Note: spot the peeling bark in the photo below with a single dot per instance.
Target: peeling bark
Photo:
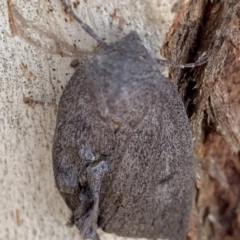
(211, 96)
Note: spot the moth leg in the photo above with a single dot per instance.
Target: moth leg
(87, 223)
(200, 61)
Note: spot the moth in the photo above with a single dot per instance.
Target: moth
(122, 149)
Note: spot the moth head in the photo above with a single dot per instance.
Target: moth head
(123, 78)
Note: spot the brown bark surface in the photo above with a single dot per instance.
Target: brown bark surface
(211, 94)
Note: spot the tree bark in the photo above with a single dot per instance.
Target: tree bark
(211, 96)
(38, 42)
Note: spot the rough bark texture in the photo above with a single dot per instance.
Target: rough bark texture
(211, 96)
(38, 41)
